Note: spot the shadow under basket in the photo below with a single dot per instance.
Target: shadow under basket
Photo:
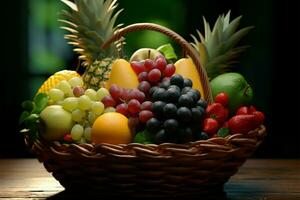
(140, 170)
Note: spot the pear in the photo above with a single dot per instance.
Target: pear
(235, 86)
(144, 53)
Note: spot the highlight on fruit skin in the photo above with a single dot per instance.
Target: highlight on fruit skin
(53, 80)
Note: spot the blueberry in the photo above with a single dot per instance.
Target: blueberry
(196, 126)
(204, 136)
(159, 94)
(153, 125)
(197, 113)
(171, 137)
(171, 125)
(184, 114)
(157, 108)
(185, 90)
(201, 136)
(152, 90)
(185, 101)
(172, 95)
(187, 82)
(170, 110)
(177, 80)
(175, 87)
(160, 137)
(202, 103)
(185, 135)
(165, 84)
(192, 95)
(195, 94)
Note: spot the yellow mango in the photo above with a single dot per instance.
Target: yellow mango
(186, 68)
(123, 75)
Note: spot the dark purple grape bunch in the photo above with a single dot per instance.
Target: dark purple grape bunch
(178, 111)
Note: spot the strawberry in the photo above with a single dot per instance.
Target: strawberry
(242, 124)
(218, 112)
(251, 109)
(259, 117)
(222, 98)
(210, 126)
(244, 110)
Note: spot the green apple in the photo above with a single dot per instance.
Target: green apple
(144, 53)
(55, 122)
(235, 86)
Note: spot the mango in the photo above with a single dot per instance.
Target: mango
(123, 75)
(186, 68)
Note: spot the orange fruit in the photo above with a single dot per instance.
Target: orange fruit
(111, 128)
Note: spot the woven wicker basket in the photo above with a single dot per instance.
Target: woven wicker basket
(138, 170)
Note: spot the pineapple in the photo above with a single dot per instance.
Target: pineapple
(217, 48)
(53, 80)
(91, 23)
(97, 74)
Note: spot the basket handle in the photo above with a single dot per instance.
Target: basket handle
(178, 39)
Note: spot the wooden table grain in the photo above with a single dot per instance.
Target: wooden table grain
(257, 179)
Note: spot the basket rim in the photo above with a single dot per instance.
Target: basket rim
(217, 146)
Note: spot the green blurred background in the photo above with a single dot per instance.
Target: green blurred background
(34, 48)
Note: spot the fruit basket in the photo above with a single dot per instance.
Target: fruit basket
(135, 169)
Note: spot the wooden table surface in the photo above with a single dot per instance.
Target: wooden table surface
(257, 179)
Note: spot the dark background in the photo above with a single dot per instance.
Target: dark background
(271, 65)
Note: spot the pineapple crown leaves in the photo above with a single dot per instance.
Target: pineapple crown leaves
(217, 48)
(90, 23)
